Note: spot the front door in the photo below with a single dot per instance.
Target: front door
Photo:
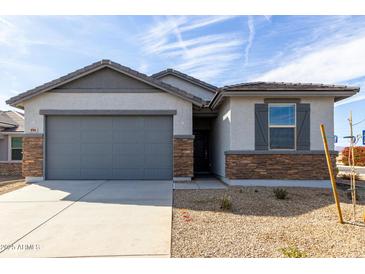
(201, 151)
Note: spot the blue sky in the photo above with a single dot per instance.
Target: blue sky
(217, 49)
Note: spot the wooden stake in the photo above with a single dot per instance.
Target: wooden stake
(352, 165)
(332, 176)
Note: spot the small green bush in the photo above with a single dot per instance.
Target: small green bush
(293, 252)
(226, 203)
(280, 193)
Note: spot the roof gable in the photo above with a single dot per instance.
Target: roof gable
(185, 77)
(106, 79)
(11, 121)
(80, 73)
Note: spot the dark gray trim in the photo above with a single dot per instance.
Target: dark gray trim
(281, 100)
(106, 90)
(265, 152)
(33, 135)
(105, 112)
(184, 136)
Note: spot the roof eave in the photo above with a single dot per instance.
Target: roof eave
(338, 95)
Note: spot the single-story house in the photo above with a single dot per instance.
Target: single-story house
(11, 143)
(107, 121)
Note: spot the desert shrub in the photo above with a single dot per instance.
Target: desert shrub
(359, 155)
(226, 203)
(293, 252)
(349, 194)
(280, 193)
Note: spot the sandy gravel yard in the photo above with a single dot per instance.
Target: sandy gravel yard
(11, 186)
(259, 225)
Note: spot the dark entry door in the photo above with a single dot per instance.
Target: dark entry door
(201, 151)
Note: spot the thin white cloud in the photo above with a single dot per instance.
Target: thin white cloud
(195, 54)
(251, 35)
(205, 22)
(331, 64)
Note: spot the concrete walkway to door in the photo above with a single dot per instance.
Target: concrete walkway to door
(87, 219)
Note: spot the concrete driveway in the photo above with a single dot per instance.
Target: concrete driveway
(87, 218)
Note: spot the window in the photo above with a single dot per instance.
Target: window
(282, 126)
(16, 148)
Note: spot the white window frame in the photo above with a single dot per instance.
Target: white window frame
(282, 126)
(10, 149)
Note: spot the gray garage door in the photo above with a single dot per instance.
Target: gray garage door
(109, 147)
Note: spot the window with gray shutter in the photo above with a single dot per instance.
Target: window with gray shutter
(278, 130)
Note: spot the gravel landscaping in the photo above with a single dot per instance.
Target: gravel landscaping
(6, 186)
(259, 225)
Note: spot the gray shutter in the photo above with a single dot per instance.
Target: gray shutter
(261, 127)
(303, 126)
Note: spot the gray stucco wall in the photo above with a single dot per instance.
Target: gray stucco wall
(221, 135)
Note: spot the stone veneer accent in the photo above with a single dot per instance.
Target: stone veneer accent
(33, 156)
(278, 166)
(10, 169)
(183, 157)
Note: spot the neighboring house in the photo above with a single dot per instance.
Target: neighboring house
(11, 143)
(107, 121)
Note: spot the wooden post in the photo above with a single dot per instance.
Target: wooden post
(332, 176)
(352, 165)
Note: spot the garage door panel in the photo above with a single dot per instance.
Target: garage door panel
(128, 161)
(96, 161)
(163, 161)
(96, 173)
(158, 149)
(157, 123)
(99, 149)
(155, 136)
(64, 149)
(128, 137)
(96, 137)
(109, 147)
(128, 123)
(64, 161)
(65, 173)
(63, 123)
(128, 149)
(63, 137)
(96, 123)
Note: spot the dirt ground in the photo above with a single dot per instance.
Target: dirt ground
(11, 186)
(259, 225)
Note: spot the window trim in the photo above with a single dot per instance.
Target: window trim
(10, 149)
(282, 126)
